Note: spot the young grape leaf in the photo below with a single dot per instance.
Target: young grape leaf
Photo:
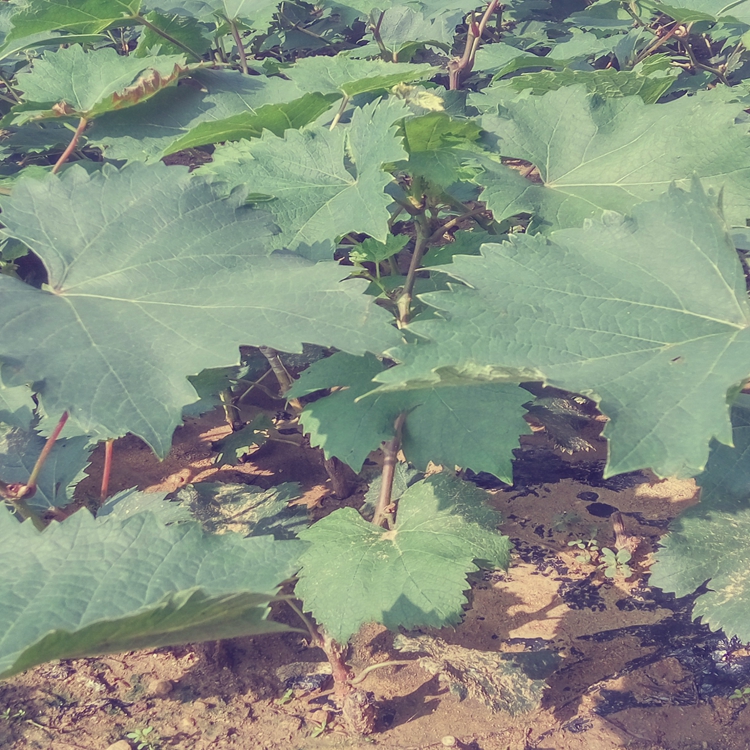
(216, 105)
(648, 316)
(89, 586)
(413, 575)
(403, 30)
(708, 542)
(324, 182)
(16, 406)
(246, 510)
(63, 469)
(153, 277)
(74, 16)
(237, 444)
(346, 75)
(435, 142)
(468, 426)
(74, 83)
(595, 154)
(372, 251)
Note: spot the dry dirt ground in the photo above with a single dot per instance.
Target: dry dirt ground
(624, 665)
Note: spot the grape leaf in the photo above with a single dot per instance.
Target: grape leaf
(690, 11)
(316, 198)
(275, 118)
(216, 105)
(63, 469)
(595, 154)
(465, 242)
(413, 575)
(648, 316)
(87, 84)
(236, 445)
(708, 542)
(404, 30)
(342, 74)
(245, 509)
(16, 406)
(608, 83)
(90, 586)
(153, 277)
(372, 251)
(474, 427)
(75, 16)
(184, 29)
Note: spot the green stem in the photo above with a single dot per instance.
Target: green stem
(375, 28)
(70, 147)
(284, 378)
(698, 65)
(231, 412)
(383, 513)
(172, 40)
(423, 238)
(10, 89)
(340, 113)
(240, 46)
(30, 487)
(315, 636)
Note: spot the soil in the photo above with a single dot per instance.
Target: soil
(626, 665)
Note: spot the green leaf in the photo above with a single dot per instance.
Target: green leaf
(74, 16)
(90, 586)
(16, 406)
(342, 74)
(184, 29)
(404, 30)
(434, 142)
(87, 84)
(216, 105)
(595, 154)
(464, 426)
(690, 11)
(208, 385)
(608, 83)
(316, 198)
(708, 542)
(153, 277)
(246, 510)
(274, 118)
(236, 445)
(465, 242)
(63, 469)
(413, 575)
(648, 316)
(373, 251)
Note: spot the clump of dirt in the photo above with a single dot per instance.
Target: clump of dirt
(617, 664)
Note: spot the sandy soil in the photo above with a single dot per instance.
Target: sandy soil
(625, 665)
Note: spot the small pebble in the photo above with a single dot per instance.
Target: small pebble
(120, 745)
(160, 688)
(449, 741)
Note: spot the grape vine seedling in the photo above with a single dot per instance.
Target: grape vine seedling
(425, 221)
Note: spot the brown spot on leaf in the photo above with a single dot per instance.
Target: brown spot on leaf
(145, 87)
